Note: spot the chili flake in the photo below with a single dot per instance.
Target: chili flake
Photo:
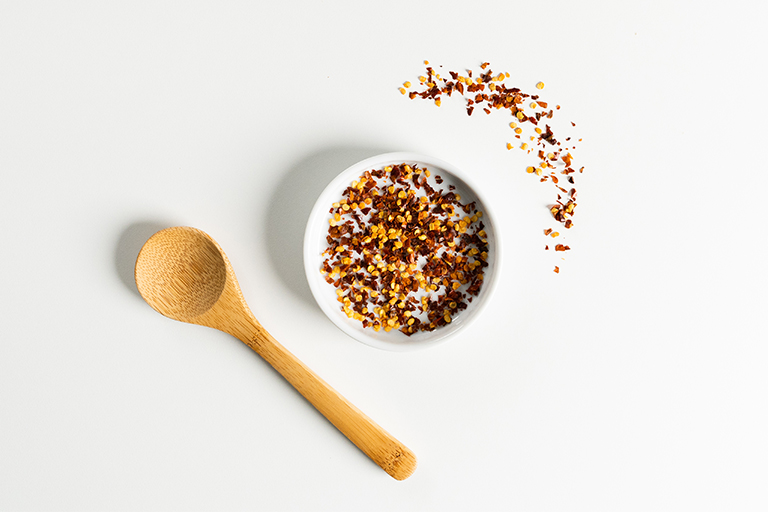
(403, 254)
(489, 92)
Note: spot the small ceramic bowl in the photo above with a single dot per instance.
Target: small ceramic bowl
(315, 243)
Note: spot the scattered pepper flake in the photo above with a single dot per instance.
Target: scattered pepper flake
(499, 96)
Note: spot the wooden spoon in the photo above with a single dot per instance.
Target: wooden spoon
(183, 274)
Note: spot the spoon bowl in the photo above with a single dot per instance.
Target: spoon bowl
(197, 268)
(184, 274)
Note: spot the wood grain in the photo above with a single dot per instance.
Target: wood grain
(184, 274)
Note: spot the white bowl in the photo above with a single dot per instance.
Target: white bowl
(315, 243)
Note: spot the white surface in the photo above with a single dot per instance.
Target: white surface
(315, 244)
(633, 380)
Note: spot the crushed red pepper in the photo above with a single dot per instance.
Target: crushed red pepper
(402, 254)
(489, 92)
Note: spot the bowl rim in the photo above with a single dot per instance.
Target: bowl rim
(310, 259)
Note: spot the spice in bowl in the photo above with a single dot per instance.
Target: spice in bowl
(403, 253)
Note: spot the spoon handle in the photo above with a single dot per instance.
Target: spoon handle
(386, 451)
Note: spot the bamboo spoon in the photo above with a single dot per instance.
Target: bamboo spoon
(183, 274)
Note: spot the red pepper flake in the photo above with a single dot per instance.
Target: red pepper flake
(557, 269)
(401, 254)
(500, 96)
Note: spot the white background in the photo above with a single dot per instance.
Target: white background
(633, 380)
